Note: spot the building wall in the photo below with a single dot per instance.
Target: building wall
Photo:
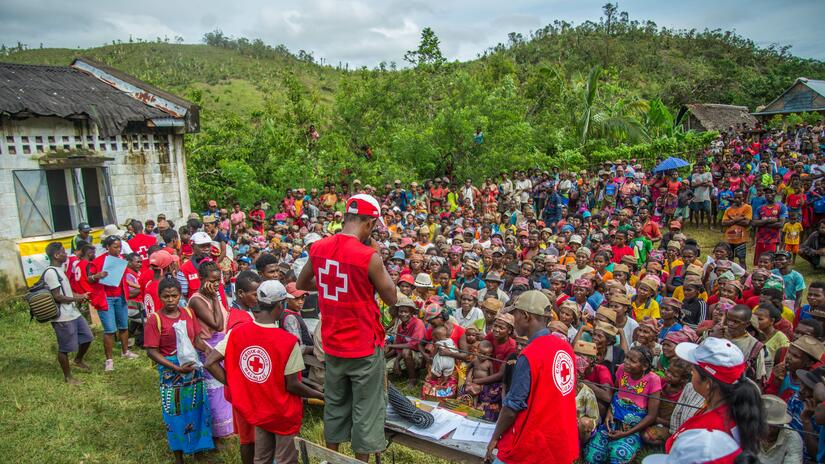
(147, 175)
(798, 99)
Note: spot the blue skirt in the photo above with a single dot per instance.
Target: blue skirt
(185, 409)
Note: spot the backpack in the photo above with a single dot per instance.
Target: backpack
(42, 305)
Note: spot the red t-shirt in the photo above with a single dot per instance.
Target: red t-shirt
(132, 277)
(411, 333)
(621, 252)
(458, 331)
(600, 375)
(96, 266)
(165, 340)
(501, 351)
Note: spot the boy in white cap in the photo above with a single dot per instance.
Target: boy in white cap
(262, 365)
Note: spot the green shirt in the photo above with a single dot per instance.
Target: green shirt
(642, 246)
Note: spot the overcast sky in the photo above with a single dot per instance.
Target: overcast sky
(366, 32)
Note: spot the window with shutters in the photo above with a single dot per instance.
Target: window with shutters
(57, 200)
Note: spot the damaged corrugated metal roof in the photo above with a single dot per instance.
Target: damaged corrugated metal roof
(68, 92)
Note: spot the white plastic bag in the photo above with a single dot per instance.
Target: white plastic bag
(186, 352)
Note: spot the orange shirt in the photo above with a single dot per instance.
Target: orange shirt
(736, 234)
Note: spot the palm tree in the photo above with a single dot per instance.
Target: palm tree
(618, 122)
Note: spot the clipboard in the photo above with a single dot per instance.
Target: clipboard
(115, 267)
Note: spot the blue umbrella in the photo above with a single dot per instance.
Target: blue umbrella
(670, 164)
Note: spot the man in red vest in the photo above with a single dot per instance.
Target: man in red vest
(262, 365)
(188, 273)
(346, 271)
(538, 421)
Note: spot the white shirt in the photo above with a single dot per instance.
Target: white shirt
(474, 315)
(524, 187)
(55, 277)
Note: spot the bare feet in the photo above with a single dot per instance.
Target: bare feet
(73, 381)
(411, 383)
(82, 366)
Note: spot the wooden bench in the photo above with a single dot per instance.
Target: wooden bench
(308, 450)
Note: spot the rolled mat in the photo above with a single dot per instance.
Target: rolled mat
(407, 410)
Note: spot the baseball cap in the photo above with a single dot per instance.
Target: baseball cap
(271, 292)
(407, 278)
(311, 237)
(161, 259)
(720, 358)
(84, 227)
(200, 238)
(699, 446)
(676, 225)
(365, 205)
(292, 289)
(213, 203)
(533, 302)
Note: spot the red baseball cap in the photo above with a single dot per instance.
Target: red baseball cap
(718, 357)
(292, 289)
(675, 225)
(408, 278)
(365, 205)
(161, 259)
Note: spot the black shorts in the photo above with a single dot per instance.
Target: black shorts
(72, 334)
(739, 251)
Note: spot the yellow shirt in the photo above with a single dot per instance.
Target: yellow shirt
(787, 314)
(651, 310)
(793, 232)
(679, 294)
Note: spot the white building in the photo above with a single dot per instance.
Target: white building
(84, 143)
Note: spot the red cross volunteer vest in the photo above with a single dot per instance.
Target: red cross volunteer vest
(255, 360)
(151, 299)
(547, 431)
(190, 272)
(346, 297)
(140, 244)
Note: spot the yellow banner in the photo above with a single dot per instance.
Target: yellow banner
(33, 257)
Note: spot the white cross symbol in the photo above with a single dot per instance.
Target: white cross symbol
(337, 278)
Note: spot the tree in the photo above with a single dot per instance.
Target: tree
(610, 11)
(428, 52)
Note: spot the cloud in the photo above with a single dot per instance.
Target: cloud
(366, 32)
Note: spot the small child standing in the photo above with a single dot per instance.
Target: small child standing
(482, 367)
(791, 235)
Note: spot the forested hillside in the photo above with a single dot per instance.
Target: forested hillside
(562, 96)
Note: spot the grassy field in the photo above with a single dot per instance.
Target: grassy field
(112, 417)
(108, 418)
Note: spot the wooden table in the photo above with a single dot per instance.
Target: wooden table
(395, 429)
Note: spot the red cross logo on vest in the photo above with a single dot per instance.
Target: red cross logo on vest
(255, 364)
(331, 281)
(563, 372)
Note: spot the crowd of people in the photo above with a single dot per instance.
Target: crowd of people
(460, 289)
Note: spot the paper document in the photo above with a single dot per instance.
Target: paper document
(445, 422)
(470, 430)
(115, 267)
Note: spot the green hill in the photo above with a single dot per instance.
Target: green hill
(565, 96)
